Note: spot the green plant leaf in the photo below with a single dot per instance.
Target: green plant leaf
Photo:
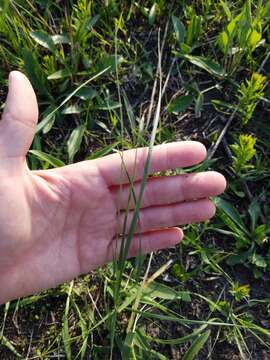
(49, 117)
(224, 41)
(53, 161)
(180, 340)
(108, 104)
(4, 5)
(158, 290)
(60, 39)
(60, 74)
(258, 260)
(193, 30)
(47, 122)
(180, 104)
(240, 258)
(87, 93)
(72, 109)
(253, 39)
(226, 9)
(254, 211)
(5, 342)
(109, 62)
(233, 214)
(43, 39)
(152, 14)
(266, 10)
(65, 325)
(206, 64)
(74, 142)
(196, 346)
(34, 71)
(126, 348)
(102, 152)
(179, 29)
(86, 26)
(199, 104)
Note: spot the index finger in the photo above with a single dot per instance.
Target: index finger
(116, 169)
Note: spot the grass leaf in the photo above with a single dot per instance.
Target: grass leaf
(197, 346)
(65, 326)
(230, 210)
(43, 39)
(5, 342)
(53, 161)
(74, 142)
(34, 71)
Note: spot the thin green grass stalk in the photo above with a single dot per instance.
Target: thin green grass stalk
(65, 329)
(143, 183)
(239, 325)
(240, 342)
(5, 342)
(180, 340)
(213, 343)
(116, 287)
(176, 318)
(126, 240)
(5, 317)
(32, 15)
(197, 345)
(139, 257)
(156, 79)
(254, 329)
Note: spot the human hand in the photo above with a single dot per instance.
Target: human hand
(60, 223)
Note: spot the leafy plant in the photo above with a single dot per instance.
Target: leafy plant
(243, 153)
(187, 37)
(240, 292)
(249, 94)
(242, 34)
(250, 241)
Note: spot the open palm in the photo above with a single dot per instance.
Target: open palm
(60, 223)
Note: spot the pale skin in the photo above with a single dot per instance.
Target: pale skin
(58, 224)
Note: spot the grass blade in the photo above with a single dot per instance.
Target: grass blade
(52, 160)
(197, 346)
(65, 329)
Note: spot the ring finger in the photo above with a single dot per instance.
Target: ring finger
(158, 217)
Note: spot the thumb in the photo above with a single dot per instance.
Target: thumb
(17, 127)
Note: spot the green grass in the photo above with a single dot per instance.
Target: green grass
(101, 80)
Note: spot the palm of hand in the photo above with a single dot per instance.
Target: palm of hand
(57, 218)
(60, 223)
